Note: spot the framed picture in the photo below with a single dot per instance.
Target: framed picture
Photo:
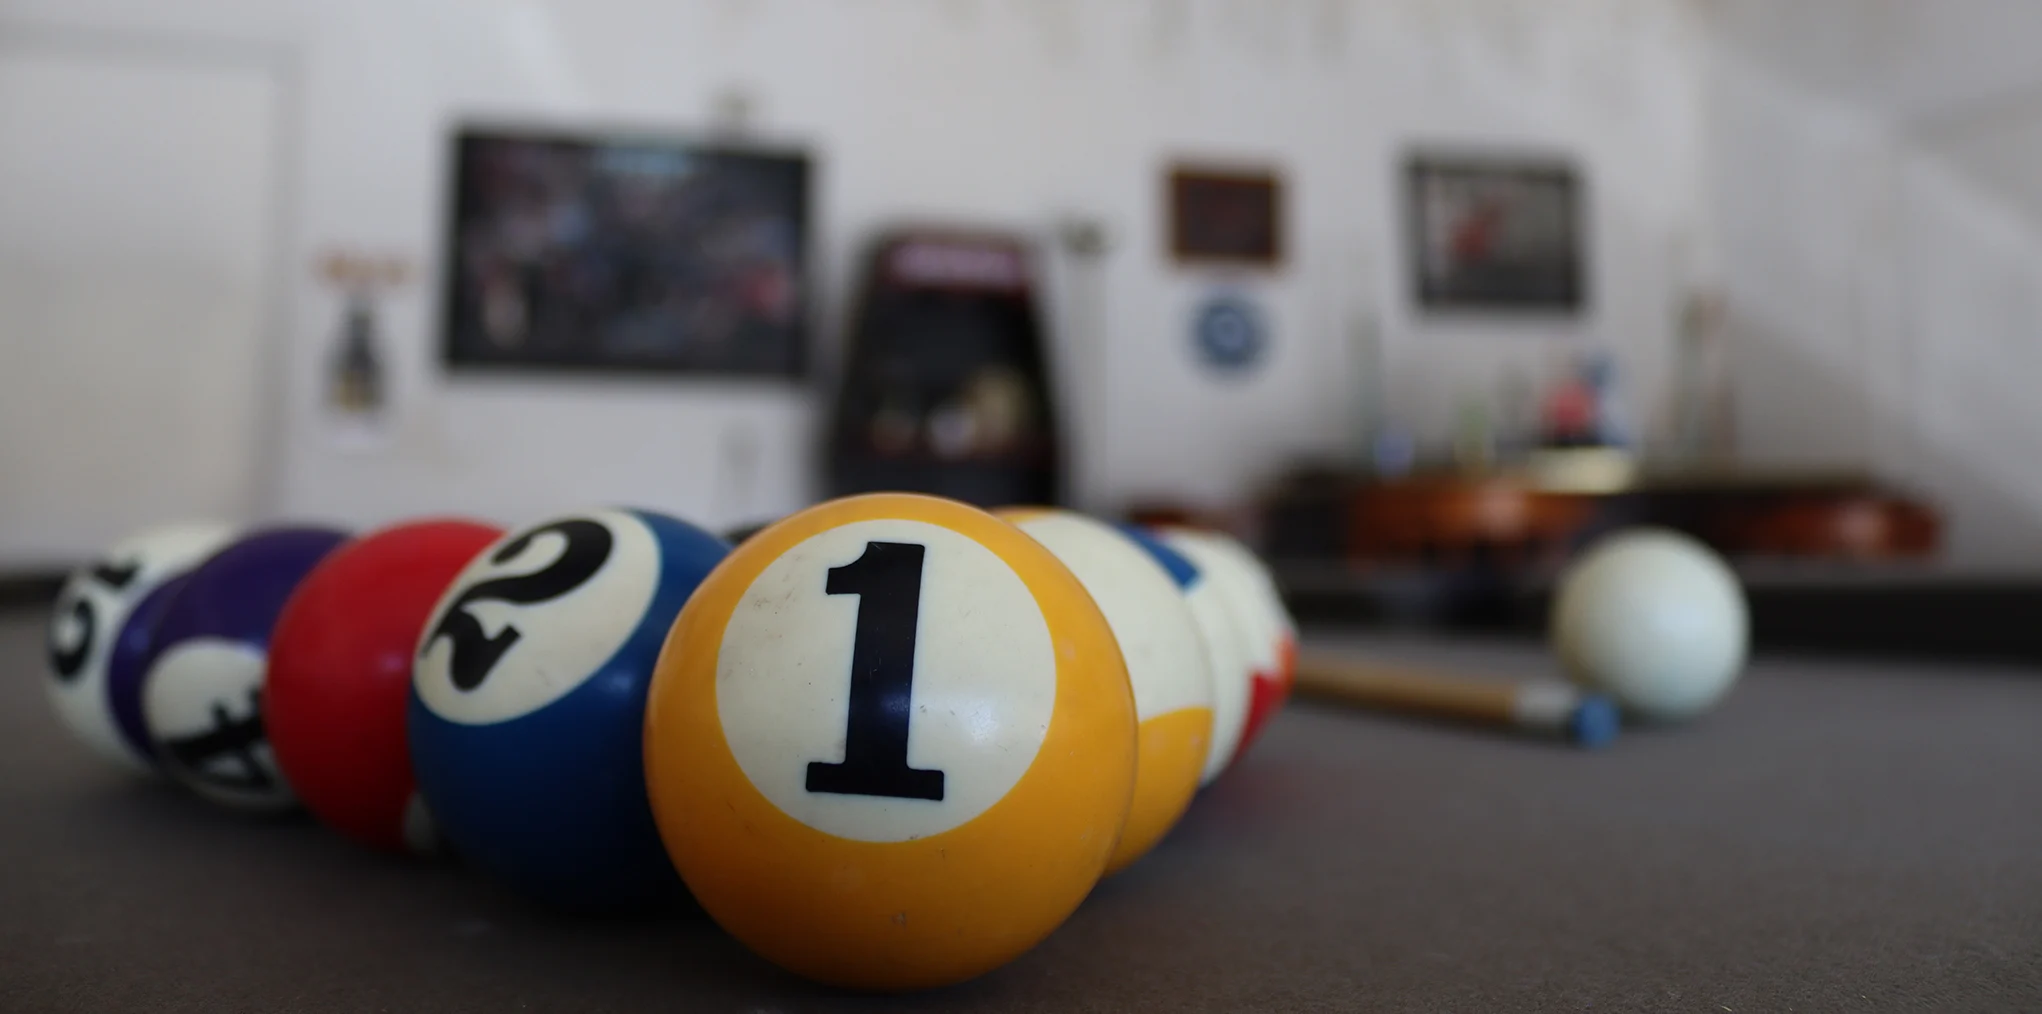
(1226, 217)
(626, 254)
(1500, 234)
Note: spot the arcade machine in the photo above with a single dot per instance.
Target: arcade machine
(945, 382)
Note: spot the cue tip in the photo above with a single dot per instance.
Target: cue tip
(1595, 721)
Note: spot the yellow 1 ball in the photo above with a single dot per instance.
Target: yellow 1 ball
(890, 742)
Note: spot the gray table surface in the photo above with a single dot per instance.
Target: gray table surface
(1837, 837)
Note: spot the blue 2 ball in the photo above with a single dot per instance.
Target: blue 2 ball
(528, 704)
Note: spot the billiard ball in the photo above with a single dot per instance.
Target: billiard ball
(1219, 633)
(202, 692)
(1261, 585)
(340, 675)
(1268, 632)
(1166, 665)
(1653, 618)
(891, 742)
(100, 632)
(527, 704)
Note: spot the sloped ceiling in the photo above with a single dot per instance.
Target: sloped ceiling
(1960, 77)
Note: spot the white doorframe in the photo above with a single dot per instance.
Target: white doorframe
(279, 61)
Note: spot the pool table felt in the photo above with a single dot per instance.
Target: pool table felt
(1836, 837)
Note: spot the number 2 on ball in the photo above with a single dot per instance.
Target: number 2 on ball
(475, 651)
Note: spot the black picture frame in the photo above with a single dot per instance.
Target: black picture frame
(1496, 233)
(625, 252)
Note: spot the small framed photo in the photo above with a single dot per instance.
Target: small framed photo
(1226, 216)
(1496, 234)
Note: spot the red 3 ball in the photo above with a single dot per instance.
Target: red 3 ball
(340, 675)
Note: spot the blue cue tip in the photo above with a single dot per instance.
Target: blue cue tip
(1594, 722)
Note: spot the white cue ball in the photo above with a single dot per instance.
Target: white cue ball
(1655, 619)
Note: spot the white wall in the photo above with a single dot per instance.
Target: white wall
(1007, 112)
(1873, 171)
(137, 210)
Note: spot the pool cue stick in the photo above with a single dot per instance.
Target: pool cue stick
(1550, 708)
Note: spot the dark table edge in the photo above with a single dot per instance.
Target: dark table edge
(30, 589)
(1996, 620)
(1944, 619)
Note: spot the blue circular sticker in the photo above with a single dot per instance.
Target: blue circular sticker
(1229, 333)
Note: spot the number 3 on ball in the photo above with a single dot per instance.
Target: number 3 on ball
(890, 742)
